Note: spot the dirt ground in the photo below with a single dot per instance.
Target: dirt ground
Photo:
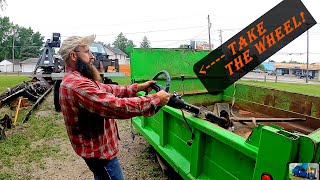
(137, 157)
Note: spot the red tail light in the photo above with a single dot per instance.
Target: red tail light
(266, 176)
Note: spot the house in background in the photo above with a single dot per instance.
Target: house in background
(7, 66)
(297, 69)
(29, 64)
(115, 53)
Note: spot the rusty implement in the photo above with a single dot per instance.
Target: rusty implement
(30, 90)
(267, 119)
(5, 122)
(40, 99)
(17, 112)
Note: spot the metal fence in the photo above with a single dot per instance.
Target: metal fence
(15, 73)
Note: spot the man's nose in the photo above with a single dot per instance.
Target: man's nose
(92, 56)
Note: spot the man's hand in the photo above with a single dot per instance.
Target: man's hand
(164, 97)
(146, 86)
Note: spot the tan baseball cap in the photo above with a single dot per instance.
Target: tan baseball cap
(73, 42)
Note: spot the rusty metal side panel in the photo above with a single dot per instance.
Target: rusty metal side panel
(277, 103)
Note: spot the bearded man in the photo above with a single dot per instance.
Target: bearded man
(90, 108)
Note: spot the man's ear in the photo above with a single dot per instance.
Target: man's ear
(73, 56)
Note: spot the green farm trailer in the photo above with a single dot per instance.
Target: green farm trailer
(251, 149)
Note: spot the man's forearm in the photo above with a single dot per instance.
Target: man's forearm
(140, 88)
(109, 106)
(122, 91)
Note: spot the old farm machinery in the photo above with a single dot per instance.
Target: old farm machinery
(48, 73)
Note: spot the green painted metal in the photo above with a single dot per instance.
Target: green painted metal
(215, 153)
(315, 136)
(145, 63)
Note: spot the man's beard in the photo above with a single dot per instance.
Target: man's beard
(87, 70)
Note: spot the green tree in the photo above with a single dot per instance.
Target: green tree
(295, 62)
(261, 67)
(6, 36)
(184, 46)
(122, 43)
(145, 43)
(129, 48)
(27, 43)
(131, 44)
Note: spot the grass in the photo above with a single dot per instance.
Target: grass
(28, 144)
(122, 81)
(10, 81)
(310, 89)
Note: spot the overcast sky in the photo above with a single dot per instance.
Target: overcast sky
(166, 23)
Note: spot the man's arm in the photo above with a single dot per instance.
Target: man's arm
(108, 105)
(121, 91)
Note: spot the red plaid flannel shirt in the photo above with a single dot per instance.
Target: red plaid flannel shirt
(89, 109)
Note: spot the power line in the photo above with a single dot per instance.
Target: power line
(293, 53)
(165, 30)
(151, 31)
(18, 46)
(174, 42)
(162, 41)
(140, 22)
(184, 39)
(200, 33)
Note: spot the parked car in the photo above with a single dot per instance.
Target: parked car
(304, 76)
(272, 73)
(257, 71)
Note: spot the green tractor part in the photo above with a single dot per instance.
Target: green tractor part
(199, 149)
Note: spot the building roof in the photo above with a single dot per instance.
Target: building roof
(116, 50)
(5, 62)
(16, 61)
(30, 61)
(315, 66)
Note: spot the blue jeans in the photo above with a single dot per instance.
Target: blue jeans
(105, 169)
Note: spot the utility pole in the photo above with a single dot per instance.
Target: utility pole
(209, 26)
(220, 36)
(307, 76)
(13, 38)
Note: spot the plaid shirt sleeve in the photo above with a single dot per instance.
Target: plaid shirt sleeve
(104, 102)
(121, 91)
